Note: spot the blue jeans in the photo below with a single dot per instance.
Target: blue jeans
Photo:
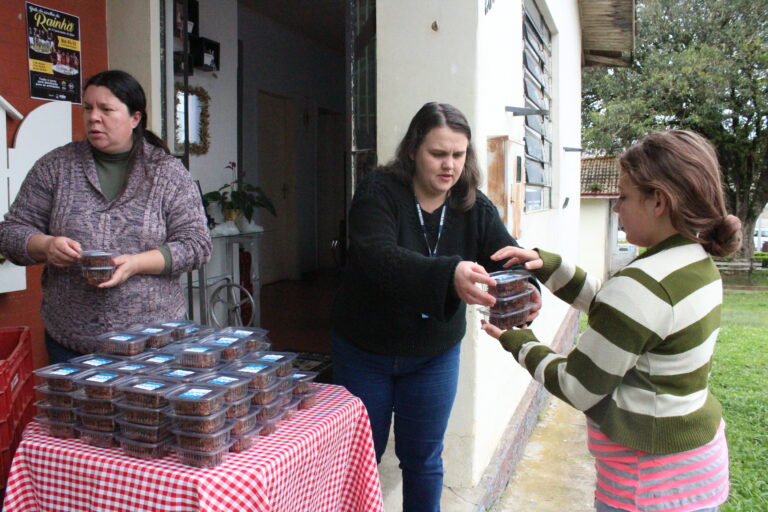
(602, 507)
(58, 353)
(420, 392)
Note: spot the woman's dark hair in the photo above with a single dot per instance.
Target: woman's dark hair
(683, 166)
(128, 90)
(436, 115)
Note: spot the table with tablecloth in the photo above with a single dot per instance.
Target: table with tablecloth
(322, 459)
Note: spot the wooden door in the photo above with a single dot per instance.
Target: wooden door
(277, 176)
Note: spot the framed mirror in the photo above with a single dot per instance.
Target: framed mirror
(198, 120)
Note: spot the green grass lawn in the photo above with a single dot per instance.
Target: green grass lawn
(740, 381)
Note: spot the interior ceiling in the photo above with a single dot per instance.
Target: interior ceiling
(319, 20)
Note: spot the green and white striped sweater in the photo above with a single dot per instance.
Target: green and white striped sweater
(640, 369)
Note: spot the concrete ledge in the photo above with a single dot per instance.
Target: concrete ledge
(521, 425)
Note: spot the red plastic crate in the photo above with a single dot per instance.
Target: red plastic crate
(15, 365)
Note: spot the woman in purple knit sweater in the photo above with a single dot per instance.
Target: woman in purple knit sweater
(119, 190)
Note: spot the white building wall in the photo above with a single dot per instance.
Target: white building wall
(594, 236)
(474, 61)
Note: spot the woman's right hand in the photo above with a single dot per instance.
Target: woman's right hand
(58, 251)
(465, 278)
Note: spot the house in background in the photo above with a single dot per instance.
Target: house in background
(603, 247)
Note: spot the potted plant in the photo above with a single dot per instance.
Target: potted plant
(239, 198)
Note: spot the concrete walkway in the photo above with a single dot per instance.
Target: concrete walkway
(555, 474)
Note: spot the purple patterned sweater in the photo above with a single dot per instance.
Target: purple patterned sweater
(160, 205)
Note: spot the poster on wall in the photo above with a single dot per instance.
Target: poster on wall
(53, 40)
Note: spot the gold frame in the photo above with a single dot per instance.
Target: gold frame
(200, 148)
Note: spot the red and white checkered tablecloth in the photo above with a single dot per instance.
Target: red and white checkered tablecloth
(322, 459)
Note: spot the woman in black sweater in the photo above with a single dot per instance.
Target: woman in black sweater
(421, 237)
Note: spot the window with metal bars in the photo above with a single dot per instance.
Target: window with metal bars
(537, 62)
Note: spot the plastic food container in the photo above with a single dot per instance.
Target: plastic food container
(270, 410)
(94, 405)
(512, 303)
(292, 407)
(157, 335)
(266, 395)
(508, 282)
(182, 375)
(232, 346)
(97, 360)
(142, 450)
(203, 442)
(102, 423)
(122, 343)
(196, 399)
(144, 433)
(53, 413)
(283, 360)
(98, 258)
(284, 397)
(237, 385)
(56, 398)
(132, 367)
(245, 441)
(198, 424)
(240, 407)
(152, 416)
(269, 427)
(58, 428)
(198, 459)
(97, 437)
(261, 373)
(186, 328)
(101, 383)
(199, 356)
(61, 376)
(245, 423)
(308, 399)
(98, 275)
(303, 381)
(155, 359)
(287, 383)
(255, 337)
(146, 391)
(511, 319)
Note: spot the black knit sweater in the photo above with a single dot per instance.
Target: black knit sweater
(390, 280)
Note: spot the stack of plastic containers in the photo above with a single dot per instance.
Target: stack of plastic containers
(513, 299)
(98, 266)
(179, 386)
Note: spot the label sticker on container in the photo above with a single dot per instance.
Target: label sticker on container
(271, 357)
(64, 371)
(98, 361)
(226, 341)
(122, 337)
(253, 368)
(297, 376)
(150, 386)
(173, 324)
(159, 359)
(195, 393)
(180, 373)
(131, 367)
(222, 379)
(102, 377)
(197, 350)
(151, 330)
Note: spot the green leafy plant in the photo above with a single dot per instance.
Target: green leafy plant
(240, 196)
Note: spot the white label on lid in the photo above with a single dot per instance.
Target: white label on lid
(195, 393)
(152, 330)
(197, 349)
(64, 371)
(222, 379)
(271, 357)
(180, 373)
(159, 359)
(253, 368)
(97, 362)
(226, 341)
(173, 324)
(132, 367)
(121, 337)
(242, 333)
(101, 377)
(150, 386)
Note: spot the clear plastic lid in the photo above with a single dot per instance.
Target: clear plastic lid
(181, 374)
(157, 335)
(97, 360)
(284, 360)
(510, 319)
(200, 356)
(200, 459)
(261, 373)
(156, 358)
(147, 391)
(122, 343)
(100, 383)
(185, 328)
(132, 367)
(98, 258)
(196, 399)
(508, 282)
(233, 347)
(237, 385)
(247, 332)
(198, 424)
(61, 376)
(144, 450)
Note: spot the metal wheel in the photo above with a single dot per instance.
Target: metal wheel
(233, 297)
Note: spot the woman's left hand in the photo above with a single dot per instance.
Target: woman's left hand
(126, 265)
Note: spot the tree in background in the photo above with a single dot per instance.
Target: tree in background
(699, 65)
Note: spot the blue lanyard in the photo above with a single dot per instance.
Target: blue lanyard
(432, 252)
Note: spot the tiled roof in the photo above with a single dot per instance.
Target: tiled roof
(599, 177)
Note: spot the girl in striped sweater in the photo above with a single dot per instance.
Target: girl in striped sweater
(640, 370)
